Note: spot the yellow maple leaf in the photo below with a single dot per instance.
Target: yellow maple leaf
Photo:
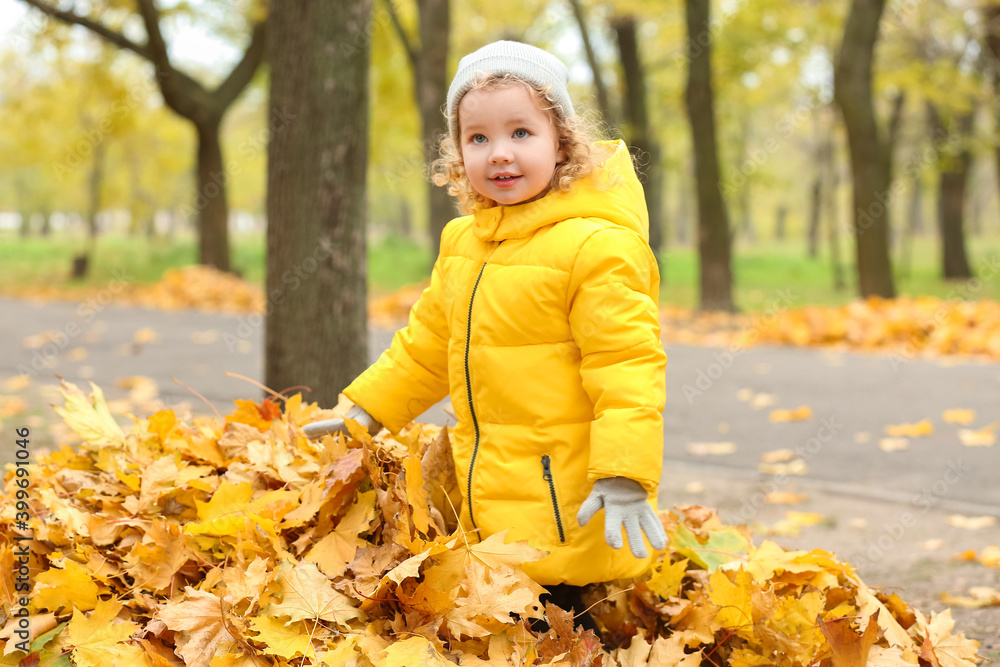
(942, 647)
(69, 586)
(225, 511)
(248, 412)
(246, 583)
(413, 652)
(204, 629)
(306, 593)
(336, 550)
(665, 579)
(870, 607)
(732, 597)
(162, 423)
(96, 638)
(491, 597)
(90, 418)
(281, 640)
(156, 558)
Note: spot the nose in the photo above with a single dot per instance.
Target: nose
(500, 152)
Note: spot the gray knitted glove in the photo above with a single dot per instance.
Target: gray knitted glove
(624, 503)
(333, 426)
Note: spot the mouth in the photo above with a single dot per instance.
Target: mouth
(505, 180)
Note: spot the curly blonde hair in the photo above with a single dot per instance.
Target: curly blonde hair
(576, 138)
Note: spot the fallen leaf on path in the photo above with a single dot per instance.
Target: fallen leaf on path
(793, 523)
(990, 556)
(931, 545)
(923, 427)
(17, 383)
(778, 456)
(711, 448)
(145, 335)
(784, 498)
(39, 340)
(796, 467)
(761, 401)
(205, 337)
(972, 522)
(893, 444)
(959, 416)
(11, 406)
(978, 597)
(798, 414)
(861, 437)
(983, 437)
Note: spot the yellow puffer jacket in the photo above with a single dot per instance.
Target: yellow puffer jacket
(541, 321)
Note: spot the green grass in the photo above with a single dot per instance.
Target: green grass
(781, 274)
(37, 261)
(766, 274)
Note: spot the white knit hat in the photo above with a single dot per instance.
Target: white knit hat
(504, 57)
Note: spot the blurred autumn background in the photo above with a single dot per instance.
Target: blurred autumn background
(846, 150)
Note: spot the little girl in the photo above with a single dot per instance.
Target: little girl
(541, 322)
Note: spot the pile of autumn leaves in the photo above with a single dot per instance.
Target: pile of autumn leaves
(239, 542)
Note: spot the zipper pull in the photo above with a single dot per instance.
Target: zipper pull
(546, 468)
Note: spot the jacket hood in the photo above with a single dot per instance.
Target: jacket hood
(611, 192)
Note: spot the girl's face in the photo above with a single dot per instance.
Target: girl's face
(509, 144)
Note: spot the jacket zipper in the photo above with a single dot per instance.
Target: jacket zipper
(547, 476)
(468, 388)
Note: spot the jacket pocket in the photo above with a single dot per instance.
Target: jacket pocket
(547, 476)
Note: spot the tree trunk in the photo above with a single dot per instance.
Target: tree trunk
(821, 183)
(684, 216)
(954, 171)
(714, 244)
(993, 44)
(869, 164)
(832, 178)
(81, 260)
(316, 331)
(914, 217)
(429, 63)
(640, 134)
(815, 211)
(746, 214)
(211, 204)
(432, 83)
(780, 218)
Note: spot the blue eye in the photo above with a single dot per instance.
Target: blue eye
(476, 138)
(521, 133)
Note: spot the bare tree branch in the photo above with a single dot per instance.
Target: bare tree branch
(411, 53)
(97, 28)
(602, 91)
(154, 38)
(238, 79)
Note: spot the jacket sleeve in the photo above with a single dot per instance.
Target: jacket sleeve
(412, 375)
(614, 319)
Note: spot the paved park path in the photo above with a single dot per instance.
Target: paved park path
(881, 510)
